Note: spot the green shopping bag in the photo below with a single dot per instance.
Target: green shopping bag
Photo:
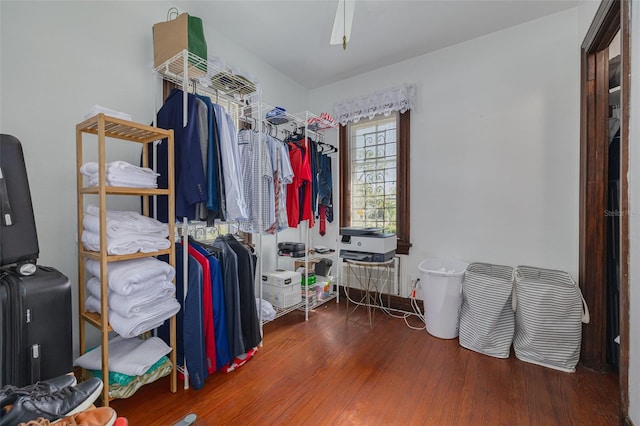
(185, 32)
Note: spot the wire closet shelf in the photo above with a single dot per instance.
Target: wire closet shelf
(186, 68)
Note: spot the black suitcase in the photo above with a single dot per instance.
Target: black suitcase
(35, 332)
(18, 237)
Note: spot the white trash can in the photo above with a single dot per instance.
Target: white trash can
(441, 290)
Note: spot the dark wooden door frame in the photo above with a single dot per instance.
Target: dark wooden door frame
(613, 15)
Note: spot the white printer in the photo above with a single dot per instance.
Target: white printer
(367, 244)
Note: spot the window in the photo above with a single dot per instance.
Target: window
(374, 175)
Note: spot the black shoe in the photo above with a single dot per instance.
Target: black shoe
(61, 381)
(8, 394)
(55, 405)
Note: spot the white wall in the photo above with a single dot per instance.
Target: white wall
(634, 219)
(60, 58)
(495, 133)
(494, 145)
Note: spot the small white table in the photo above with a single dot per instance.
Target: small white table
(372, 277)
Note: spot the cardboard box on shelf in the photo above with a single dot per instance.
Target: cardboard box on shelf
(282, 296)
(301, 264)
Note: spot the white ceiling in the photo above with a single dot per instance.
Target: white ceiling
(293, 36)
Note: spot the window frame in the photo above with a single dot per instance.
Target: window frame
(403, 209)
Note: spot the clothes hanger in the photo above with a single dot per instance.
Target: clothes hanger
(209, 248)
(327, 148)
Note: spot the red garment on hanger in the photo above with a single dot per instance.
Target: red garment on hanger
(301, 174)
(207, 310)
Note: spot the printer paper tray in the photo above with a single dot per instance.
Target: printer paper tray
(367, 257)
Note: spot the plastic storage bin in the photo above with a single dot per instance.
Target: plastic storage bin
(441, 281)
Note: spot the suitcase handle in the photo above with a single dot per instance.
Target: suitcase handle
(35, 358)
(5, 205)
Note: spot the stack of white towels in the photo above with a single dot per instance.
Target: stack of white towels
(121, 173)
(132, 357)
(140, 295)
(128, 232)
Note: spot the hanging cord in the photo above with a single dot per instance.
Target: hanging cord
(389, 311)
(344, 25)
(404, 314)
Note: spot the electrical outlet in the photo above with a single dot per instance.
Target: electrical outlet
(412, 280)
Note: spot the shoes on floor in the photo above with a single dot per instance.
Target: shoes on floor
(9, 394)
(54, 405)
(103, 416)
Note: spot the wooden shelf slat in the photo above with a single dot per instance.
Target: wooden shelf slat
(123, 129)
(95, 320)
(120, 190)
(117, 257)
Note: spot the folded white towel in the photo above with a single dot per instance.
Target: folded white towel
(96, 109)
(89, 169)
(94, 210)
(127, 356)
(134, 326)
(121, 173)
(142, 223)
(158, 307)
(137, 302)
(91, 304)
(156, 286)
(125, 223)
(122, 168)
(114, 179)
(125, 245)
(128, 276)
(124, 182)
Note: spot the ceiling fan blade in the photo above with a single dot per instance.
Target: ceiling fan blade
(342, 26)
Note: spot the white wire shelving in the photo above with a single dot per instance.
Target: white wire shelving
(244, 101)
(198, 75)
(186, 67)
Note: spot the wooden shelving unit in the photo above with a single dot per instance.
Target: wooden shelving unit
(106, 127)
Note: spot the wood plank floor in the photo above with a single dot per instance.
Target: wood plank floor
(330, 371)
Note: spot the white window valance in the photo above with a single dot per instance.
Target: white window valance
(383, 102)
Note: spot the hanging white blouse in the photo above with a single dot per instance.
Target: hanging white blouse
(236, 209)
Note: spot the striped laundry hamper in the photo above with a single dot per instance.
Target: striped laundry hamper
(549, 311)
(487, 318)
